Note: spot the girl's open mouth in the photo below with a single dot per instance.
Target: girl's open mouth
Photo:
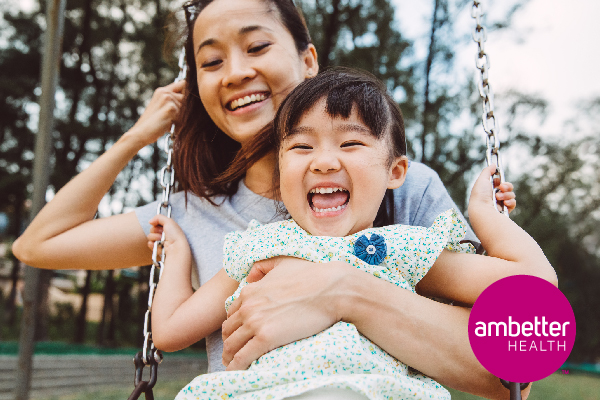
(326, 200)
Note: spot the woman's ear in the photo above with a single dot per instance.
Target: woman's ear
(398, 171)
(310, 61)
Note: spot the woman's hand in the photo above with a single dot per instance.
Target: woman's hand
(160, 113)
(295, 300)
(66, 235)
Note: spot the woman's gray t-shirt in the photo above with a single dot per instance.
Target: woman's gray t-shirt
(418, 201)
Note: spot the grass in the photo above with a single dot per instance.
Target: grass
(164, 390)
(555, 387)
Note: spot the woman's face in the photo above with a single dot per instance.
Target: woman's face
(247, 63)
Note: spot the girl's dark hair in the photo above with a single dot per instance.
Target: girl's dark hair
(202, 152)
(343, 89)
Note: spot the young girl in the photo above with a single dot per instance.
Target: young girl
(341, 146)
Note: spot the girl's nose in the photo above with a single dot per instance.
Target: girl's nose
(325, 162)
(238, 70)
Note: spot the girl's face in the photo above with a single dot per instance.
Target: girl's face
(247, 63)
(334, 173)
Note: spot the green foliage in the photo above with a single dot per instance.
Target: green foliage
(555, 387)
(559, 209)
(362, 34)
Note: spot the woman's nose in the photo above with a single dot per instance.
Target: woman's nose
(238, 70)
(324, 162)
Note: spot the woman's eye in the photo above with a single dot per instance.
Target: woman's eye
(209, 64)
(258, 48)
(300, 147)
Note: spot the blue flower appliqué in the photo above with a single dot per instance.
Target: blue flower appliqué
(372, 251)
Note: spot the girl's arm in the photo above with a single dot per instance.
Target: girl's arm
(65, 235)
(511, 251)
(180, 316)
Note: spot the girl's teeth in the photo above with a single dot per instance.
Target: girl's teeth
(234, 104)
(326, 190)
(322, 210)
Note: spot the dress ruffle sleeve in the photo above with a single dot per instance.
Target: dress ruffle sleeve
(415, 254)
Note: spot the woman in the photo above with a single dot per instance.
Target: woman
(244, 56)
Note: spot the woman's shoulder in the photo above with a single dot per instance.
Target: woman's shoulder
(195, 214)
(419, 175)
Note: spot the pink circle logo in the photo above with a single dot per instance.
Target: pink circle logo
(522, 328)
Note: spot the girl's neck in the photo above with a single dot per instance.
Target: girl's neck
(259, 177)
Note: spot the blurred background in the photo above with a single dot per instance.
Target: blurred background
(543, 55)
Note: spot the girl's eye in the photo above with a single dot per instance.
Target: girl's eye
(209, 64)
(350, 144)
(258, 48)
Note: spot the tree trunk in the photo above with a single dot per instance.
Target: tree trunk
(43, 310)
(80, 324)
(428, 64)
(11, 301)
(107, 308)
(331, 32)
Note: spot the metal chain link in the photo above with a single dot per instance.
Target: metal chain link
(490, 125)
(167, 180)
(150, 355)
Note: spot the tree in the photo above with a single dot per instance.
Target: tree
(362, 34)
(559, 206)
(111, 63)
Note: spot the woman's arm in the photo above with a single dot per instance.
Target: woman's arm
(297, 299)
(65, 235)
(180, 316)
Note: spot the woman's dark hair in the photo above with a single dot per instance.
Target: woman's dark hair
(344, 89)
(202, 152)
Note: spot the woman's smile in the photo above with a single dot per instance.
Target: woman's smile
(245, 100)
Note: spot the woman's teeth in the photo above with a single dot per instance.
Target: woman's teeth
(338, 208)
(247, 100)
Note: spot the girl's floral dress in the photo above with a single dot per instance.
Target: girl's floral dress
(339, 356)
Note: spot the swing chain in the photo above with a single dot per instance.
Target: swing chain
(482, 62)
(150, 355)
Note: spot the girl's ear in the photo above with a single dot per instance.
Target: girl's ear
(309, 57)
(398, 171)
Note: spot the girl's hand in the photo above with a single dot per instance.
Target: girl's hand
(174, 236)
(482, 191)
(507, 195)
(295, 300)
(160, 113)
